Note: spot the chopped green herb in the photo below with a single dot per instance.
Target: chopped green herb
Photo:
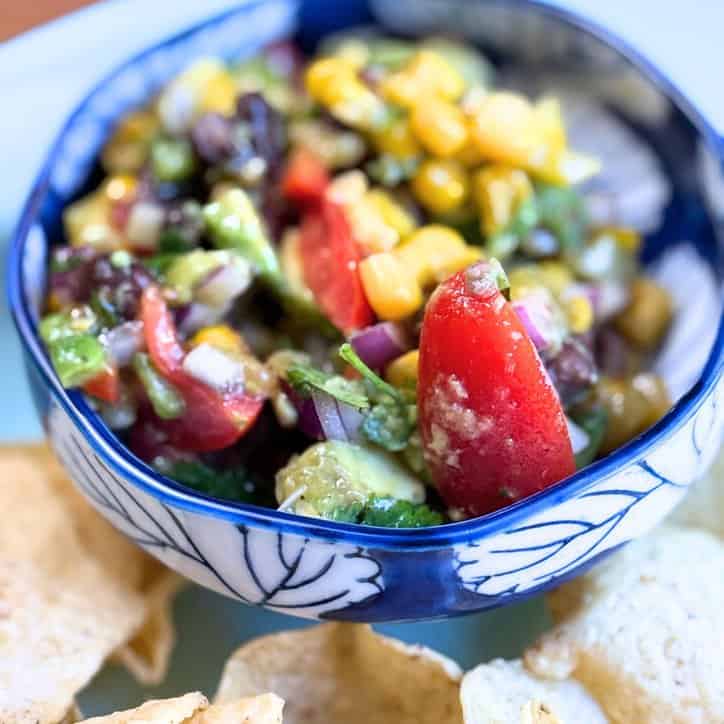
(391, 513)
(305, 379)
(389, 425)
(172, 159)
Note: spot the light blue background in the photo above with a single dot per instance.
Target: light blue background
(45, 73)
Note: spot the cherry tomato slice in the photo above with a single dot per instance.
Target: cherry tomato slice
(305, 179)
(492, 425)
(211, 420)
(330, 259)
(105, 386)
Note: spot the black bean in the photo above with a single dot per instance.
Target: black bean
(266, 127)
(573, 370)
(119, 286)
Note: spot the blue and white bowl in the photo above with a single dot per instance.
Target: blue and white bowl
(664, 170)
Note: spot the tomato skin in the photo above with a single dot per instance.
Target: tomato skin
(330, 259)
(492, 425)
(106, 386)
(212, 420)
(305, 179)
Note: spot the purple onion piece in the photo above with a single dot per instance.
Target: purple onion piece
(192, 317)
(530, 326)
(337, 420)
(308, 421)
(380, 343)
(222, 285)
(123, 341)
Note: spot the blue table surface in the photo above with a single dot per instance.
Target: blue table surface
(45, 72)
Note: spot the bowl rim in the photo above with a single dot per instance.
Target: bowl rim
(121, 461)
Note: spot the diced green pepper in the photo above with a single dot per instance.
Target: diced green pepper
(172, 159)
(77, 359)
(80, 320)
(526, 218)
(233, 223)
(594, 421)
(187, 270)
(166, 401)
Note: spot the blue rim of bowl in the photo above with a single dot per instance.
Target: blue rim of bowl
(122, 461)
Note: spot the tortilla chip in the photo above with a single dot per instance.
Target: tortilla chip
(147, 654)
(644, 631)
(54, 538)
(345, 674)
(503, 692)
(703, 506)
(194, 709)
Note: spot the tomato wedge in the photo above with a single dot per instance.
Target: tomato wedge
(212, 420)
(330, 259)
(305, 178)
(105, 386)
(492, 424)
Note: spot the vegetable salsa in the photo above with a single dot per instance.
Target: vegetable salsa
(361, 286)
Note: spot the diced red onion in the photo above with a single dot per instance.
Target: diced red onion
(308, 421)
(380, 343)
(123, 341)
(222, 285)
(337, 420)
(579, 437)
(214, 368)
(539, 319)
(144, 225)
(194, 316)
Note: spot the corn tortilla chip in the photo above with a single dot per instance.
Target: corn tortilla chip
(54, 539)
(644, 631)
(345, 674)
(503, 692)
(194, 709)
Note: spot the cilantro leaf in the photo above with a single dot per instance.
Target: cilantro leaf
(347, 353)
(305, 379)
(391, 513)
(389, 425)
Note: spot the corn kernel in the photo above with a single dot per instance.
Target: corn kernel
(567, 168)
(397, 140)
(498, 191)
(555, 275)
(402, 371)
(218, 95)
(469, 155)
(369, 228)
(505, 130)
(439, 126)
(127, 149)
(627, 239)
(434, 252)
(333, 83)
(393, 214)
(221, 337)
(120, 188)
(548, 117)
(647, 316)
(347, 188)
(426, 74)
(87, 221)
(441, 185)
(390, 288)
(579, 314)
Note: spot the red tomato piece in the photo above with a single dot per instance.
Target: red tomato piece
(212, 420)
(492, 424)
(330, 259)
(105, 386)
(305, 179)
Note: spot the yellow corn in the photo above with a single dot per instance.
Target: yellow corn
(394, 281)
(369, 229)
(390, 288)
(397, 139)
(87, 222)
(647, 316)
(402, 372)
(551, 275)
(127, 148)
(427, 74)
(567, 168)
(120, 188)
(434, 252)
(333, 83)
(218, 94)
(627, 239)
(498, 191)
(392, 213)
(548, 118)
(469, 155)
(439, 125)
(441, 185)
(220, 336)
(555, 275)
(579, 314)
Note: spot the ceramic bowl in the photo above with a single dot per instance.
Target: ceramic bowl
(664, 176)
